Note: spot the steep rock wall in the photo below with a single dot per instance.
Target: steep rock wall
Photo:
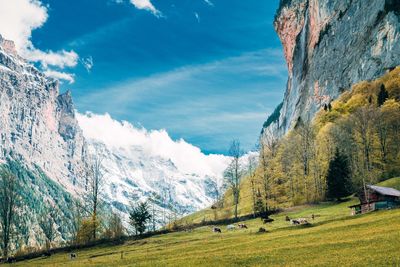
(37, 124)
(330, 45)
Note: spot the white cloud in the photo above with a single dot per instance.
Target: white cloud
(146, 5)
(60, 75)
(209, 2)
(185, 156)
(205, 114)
(18, 18)
(197, 16)
(60, 59)
(87, 63)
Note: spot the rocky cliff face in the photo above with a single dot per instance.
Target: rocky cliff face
(37, 124)
(330, 45)
(42, 142)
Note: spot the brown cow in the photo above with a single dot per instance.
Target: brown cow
(242, 226)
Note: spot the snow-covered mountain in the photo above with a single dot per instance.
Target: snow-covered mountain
(37, 123)
(42, 142)
(140, 164)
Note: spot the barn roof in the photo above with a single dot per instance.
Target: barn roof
(386, 191)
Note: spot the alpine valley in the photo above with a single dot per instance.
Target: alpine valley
(43, 143)
(321, 189)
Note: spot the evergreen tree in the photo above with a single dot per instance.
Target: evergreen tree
(139, 216)
(338, 178)
(383, 95)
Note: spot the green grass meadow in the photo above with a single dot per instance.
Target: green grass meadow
(393, 183)
(334, 239)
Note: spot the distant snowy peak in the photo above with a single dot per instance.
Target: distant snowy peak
(140, 164)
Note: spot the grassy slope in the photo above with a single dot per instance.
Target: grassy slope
(245, 207)
(334, 239)
(393, 183)
(245, 204)
(345, 104)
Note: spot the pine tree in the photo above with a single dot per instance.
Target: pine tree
(338, 178)
(383, 95)
(139, 216)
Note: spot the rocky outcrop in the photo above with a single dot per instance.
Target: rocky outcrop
(329, 46)
(37, 124)
(43, 144)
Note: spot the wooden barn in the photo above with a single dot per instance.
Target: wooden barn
(376, 198)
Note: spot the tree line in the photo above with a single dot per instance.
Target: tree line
(352, 142)
(357, 140)
(91, 220)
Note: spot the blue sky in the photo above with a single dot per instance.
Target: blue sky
(205, 72)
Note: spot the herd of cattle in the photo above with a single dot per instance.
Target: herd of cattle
(230, 227)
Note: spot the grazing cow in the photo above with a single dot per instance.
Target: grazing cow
(262, 230)
(230, 227)
(242, 226)
(295, 222)
(217, 230)
(299, 221)
(268, 220)
(72, 256)
(287, 219)
(303, 221)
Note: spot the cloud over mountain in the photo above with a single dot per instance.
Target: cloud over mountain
(18, 18)
(185, 156)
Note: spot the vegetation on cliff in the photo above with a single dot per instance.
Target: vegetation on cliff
(362, 125)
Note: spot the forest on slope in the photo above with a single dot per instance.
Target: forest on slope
(362, 126)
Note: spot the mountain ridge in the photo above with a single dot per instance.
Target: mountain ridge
(315, 35)
(42, 142)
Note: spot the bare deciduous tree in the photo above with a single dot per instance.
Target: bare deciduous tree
(268, 149)
(115, 227)
(251, 172)
(364, 120)
(306, 150)
(233, 174)
(95, 178)
(8, 207)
